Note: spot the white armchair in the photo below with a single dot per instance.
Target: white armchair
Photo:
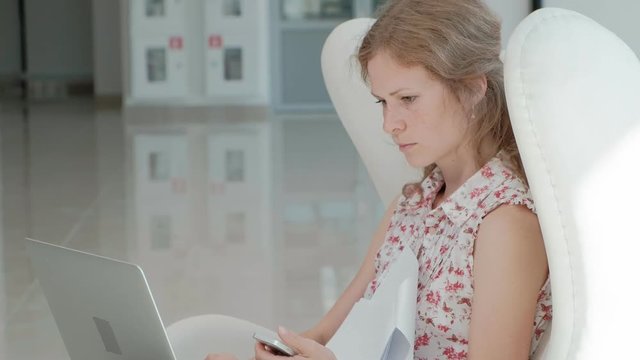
(195, 337)
(573, 92)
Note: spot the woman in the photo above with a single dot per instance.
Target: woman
(483, 288)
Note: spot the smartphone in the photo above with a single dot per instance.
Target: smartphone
(276, 346)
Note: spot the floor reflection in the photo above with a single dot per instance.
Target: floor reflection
(3, 294)
(231, 211)
(203, 205)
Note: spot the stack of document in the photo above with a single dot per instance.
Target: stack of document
(382, 327)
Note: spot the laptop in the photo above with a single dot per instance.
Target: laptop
(103, 307)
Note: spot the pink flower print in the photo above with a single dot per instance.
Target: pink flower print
(429, 321)
(451, 354)
(373, 286)
(443, 328)
(541, 295)
(487, 172)
(394, 240)
(403, 228)
(433, 297)
(455, 287)
(427, 265)
(547, 309)
(443, 249)
(422, 341)
(500, 193)
(465, 301)
(438, 274)
(453, 338)
(446, 308)
(478, 191)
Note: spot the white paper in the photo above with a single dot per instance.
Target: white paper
(382, 327)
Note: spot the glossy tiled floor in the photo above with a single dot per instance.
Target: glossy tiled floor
(231, 211)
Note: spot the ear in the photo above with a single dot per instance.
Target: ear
(479, 86)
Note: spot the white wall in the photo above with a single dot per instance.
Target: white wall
(9, 38)
(59, 38)
(107, 45)
(620, 16)
(3, 268)
(511, 12)
(264, 75)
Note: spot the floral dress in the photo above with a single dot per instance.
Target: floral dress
(443, 241)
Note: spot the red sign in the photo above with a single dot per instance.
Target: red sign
(217, 187)
(215, 41)
(178, 185)
(176, 43)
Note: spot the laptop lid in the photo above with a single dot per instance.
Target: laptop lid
(103, 307)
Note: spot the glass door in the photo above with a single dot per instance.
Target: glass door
(300, 28)
(316, 9)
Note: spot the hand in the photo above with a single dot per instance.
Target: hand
(306, 348)
(220, 357)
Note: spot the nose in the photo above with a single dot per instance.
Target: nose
(393, 122)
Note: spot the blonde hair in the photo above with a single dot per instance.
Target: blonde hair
(456, 41)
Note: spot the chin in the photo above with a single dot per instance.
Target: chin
(417, 163)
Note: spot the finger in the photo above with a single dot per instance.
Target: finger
(299, 343)
(262, 347)
(264, 353)
(225, 356)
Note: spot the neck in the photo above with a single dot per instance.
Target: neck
(461, 164)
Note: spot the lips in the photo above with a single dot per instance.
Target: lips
(404, 147)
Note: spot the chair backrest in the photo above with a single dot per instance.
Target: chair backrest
(573, 91)
(359, 113)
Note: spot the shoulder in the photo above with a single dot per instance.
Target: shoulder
(510, 235)
(510, 218)
(510, 222)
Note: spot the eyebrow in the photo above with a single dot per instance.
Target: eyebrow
(391, 94)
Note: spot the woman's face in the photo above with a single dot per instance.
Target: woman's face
(426, 122)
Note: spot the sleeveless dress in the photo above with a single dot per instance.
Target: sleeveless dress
(443, 241)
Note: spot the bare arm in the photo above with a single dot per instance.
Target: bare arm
(510, 267)
(329, 324)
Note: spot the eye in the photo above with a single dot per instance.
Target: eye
(381, 102)
(408, 99)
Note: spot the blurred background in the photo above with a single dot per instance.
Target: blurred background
(196, 139)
